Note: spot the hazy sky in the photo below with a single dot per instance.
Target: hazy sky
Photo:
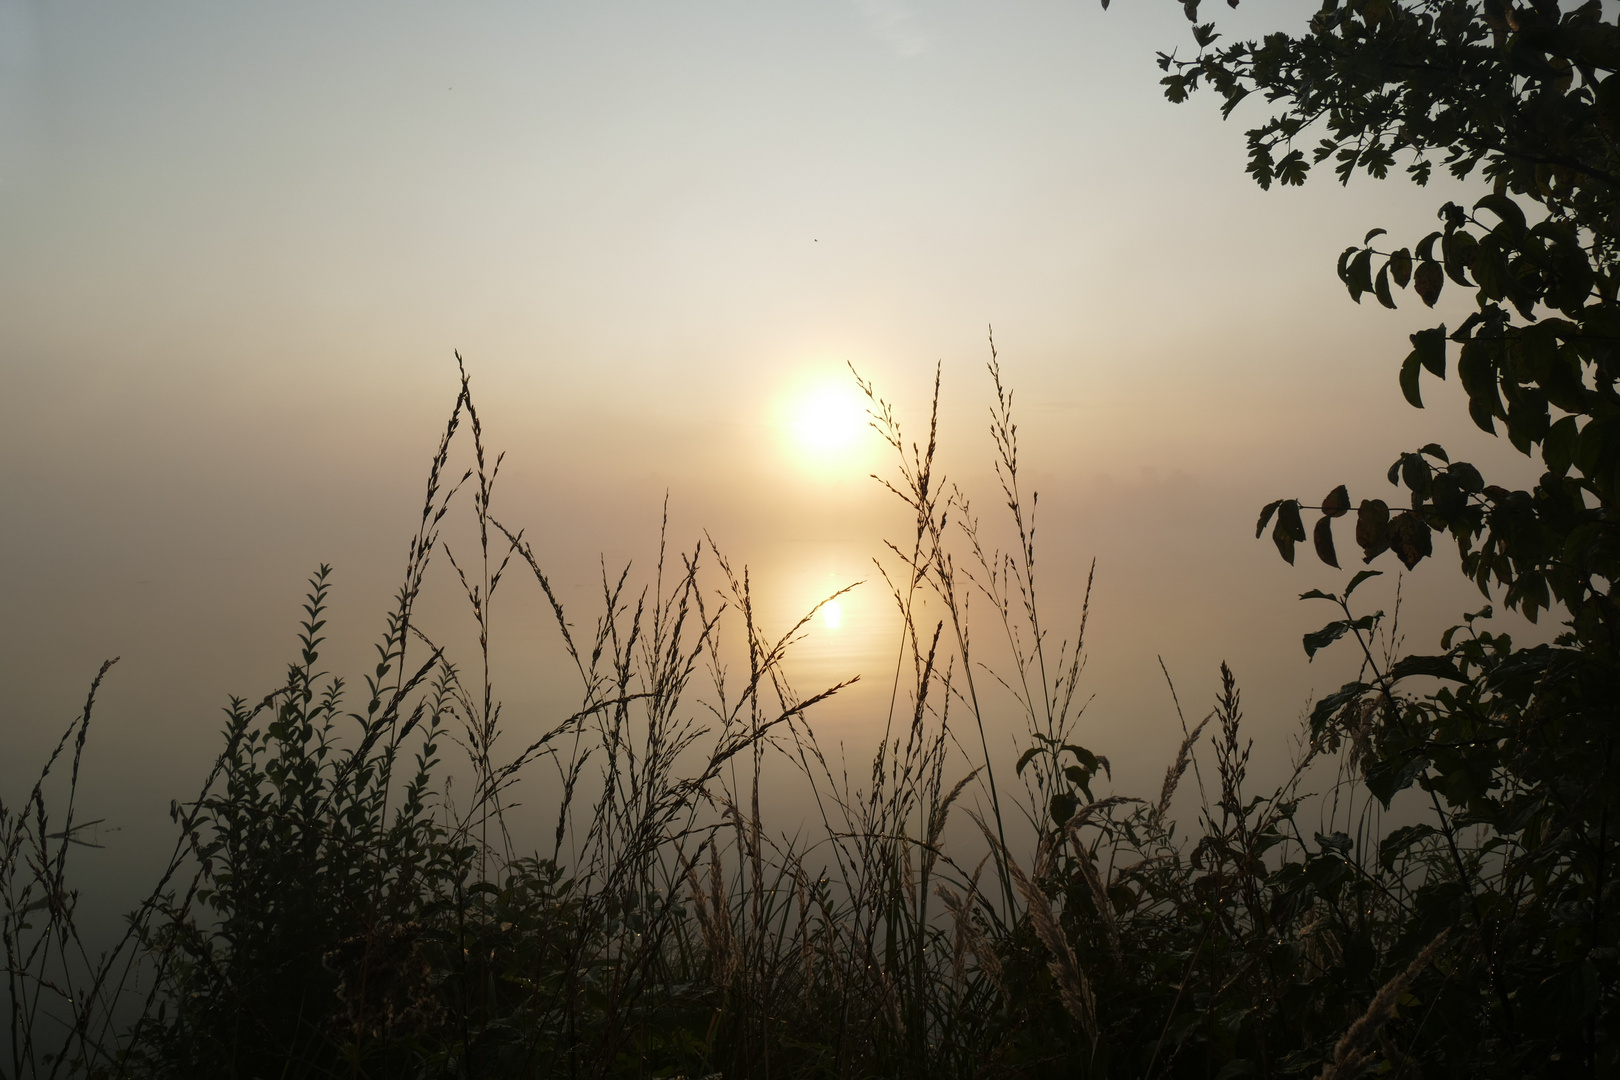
(239, 242)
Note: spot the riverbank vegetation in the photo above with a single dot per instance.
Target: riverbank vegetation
(331, 910)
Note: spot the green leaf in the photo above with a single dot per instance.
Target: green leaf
(1329, 706)
(1416, 473)
(1558, 448)
(1337, 502)
(1322, 538)
(1289, 529)
(1265, 516)
(1490, 269)
(1326, 872)
(1372, 528)
(1411, 367)
(1400, 267)
(1457, 252)
(1360, 275)
(1506, 209)
(1428, 281)
(1430, 347)
(1386, 777)
(1062, 807)
(1361, 575)
(1381, 288)
(1410, 538)
(1466, 477)
(1396, 843)
(1434, 667)
(1321, 639)
(1344, 263)
(1085, 757)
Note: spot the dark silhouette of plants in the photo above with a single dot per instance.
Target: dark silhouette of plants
(330, 911)
(1514, 753)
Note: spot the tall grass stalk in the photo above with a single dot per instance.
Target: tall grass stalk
(331, 910)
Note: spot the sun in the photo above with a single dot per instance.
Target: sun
(832, 612)
(828, 420)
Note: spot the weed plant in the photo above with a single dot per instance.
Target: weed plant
(330, 911)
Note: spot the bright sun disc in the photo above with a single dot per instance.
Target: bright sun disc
(833, 612)
(828, 420)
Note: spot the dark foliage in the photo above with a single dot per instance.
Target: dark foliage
(1517, 746)
(330, 911)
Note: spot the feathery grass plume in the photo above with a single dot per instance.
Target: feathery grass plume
(722, 944)
(936, 823)
(1074, 989)
(1354, 1048)
(620, 956)
(1073, 986)
(1099, 897)
(45, 960)
(970, 937)
(1231, 754)
(807, 945)
(1084, 857)
(1082, 815)
(1320, 946)
(1178, 767)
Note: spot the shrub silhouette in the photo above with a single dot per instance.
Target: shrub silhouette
(331, 911)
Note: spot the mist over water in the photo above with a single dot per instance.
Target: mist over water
(238, 246)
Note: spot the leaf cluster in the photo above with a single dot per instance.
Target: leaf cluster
(1508, 744)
